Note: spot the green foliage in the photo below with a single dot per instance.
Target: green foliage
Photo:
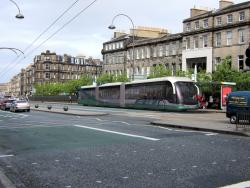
(70, 87)
(110, 78)
(160, 71)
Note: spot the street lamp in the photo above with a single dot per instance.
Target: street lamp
(19, 15)
(12, 49)
(112, 26)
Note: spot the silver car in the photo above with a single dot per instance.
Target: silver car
(21, 105)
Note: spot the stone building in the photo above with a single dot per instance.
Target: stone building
(48, 67)
(115, 51)
(210, 36)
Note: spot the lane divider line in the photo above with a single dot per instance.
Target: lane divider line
(119, 133)
(4, 156)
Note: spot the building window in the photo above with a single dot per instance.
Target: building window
(160, 51)
(121, 44)
(128, 55)
(205, 41)
(155, 51)
(137, 54)
(188, 27)
(241, 36)
(147, 52)
(47, 67)
(241, 62)
(229, 37)
(187, 43)
(167, 50)
(218, 21)
(241, 16)
(205, 23)
(218, 39)
(110, 46)
(173, 46)
(197, 25)
(47, 75)
(230, 18)
(117, 45)
(217, 62)
(196, 42)
(106, 47)
(142, 53)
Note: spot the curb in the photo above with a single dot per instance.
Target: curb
(66, 113)
(157, 123)
(4, 181)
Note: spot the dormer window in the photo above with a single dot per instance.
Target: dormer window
(241, 16)
(230, 18)
(197, 25)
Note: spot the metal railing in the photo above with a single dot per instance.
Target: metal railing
(243, 120)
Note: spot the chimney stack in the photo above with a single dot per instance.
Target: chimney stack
(197, 11)
(225, 3)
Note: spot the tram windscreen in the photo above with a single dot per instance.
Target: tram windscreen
(186, 93)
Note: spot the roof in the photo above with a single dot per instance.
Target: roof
(231, 8)
(167, 37)
(171, 79)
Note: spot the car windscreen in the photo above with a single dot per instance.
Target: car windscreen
(186, 93)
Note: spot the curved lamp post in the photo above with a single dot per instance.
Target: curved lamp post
(19, 15)
(112, 26)
(12, 49)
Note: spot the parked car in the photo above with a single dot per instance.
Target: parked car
(20, 105)
(237, 102)
(6, 104)
(1, 102)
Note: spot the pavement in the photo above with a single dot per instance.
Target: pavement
(207, 120)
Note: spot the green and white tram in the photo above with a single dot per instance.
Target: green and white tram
(167, 93)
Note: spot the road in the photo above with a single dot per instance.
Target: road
(39, 149)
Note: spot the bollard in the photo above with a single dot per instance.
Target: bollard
(65, 108)
(49, 107)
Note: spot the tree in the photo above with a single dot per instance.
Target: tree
(160, 71)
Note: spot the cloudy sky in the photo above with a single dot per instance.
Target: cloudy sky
(84, 35)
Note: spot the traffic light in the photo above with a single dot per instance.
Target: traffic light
(247, 61)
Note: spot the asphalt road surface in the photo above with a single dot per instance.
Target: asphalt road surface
(40, 149)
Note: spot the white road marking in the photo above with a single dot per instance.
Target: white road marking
(4, 156)
(194, 166)
(238, 185)
(150, 173)
(98, 119)
(98, 181)
(233, 160)
(211, 134)
(120, 133)
(214, 163)
(34, 163)
(121, 122)
(173, 169)
(125, 177)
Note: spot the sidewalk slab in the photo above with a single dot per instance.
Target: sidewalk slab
(205, 128)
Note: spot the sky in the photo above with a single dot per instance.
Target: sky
(85, 34)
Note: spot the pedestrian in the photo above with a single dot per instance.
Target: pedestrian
(70, 99)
